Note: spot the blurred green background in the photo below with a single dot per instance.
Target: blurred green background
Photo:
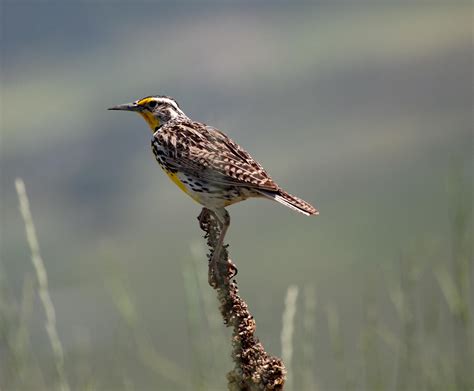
(363, 110)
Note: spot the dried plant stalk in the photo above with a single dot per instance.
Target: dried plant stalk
(254, 368)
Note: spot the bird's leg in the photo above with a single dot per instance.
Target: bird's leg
(202, 218)
(223, 218)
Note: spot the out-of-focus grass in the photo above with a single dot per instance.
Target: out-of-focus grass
(371, 100)
(42, 286)
(287, 331)
(426, 345)
(146, 353)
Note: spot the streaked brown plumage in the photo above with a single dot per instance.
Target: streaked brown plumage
(195, 150)
(205, 163)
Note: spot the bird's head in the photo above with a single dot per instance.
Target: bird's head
(156, 110)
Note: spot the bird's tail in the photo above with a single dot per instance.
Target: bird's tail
(290, 201)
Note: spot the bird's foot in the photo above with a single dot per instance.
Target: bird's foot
(203, 218)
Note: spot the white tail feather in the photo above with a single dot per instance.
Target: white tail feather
(282, 200)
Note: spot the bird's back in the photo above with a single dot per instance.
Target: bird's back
(207, 153)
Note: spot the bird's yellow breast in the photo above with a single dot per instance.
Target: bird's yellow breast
(175, 178)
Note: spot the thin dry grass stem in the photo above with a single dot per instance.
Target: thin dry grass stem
(43, 290)
(254, 368)
(288, 327)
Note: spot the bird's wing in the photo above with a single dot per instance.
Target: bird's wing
(207, 153)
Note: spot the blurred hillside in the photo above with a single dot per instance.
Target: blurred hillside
(365, 111)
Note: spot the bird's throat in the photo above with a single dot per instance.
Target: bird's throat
(151, 120)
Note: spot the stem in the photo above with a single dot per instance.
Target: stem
(254, 369)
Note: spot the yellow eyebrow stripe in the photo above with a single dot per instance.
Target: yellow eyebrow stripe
(144, 101)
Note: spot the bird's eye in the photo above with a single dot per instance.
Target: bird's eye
(152, 104)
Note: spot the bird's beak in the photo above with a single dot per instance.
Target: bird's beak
(126, 107)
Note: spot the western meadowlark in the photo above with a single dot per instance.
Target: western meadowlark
(205, 163)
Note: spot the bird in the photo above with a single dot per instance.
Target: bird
(206, 164)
